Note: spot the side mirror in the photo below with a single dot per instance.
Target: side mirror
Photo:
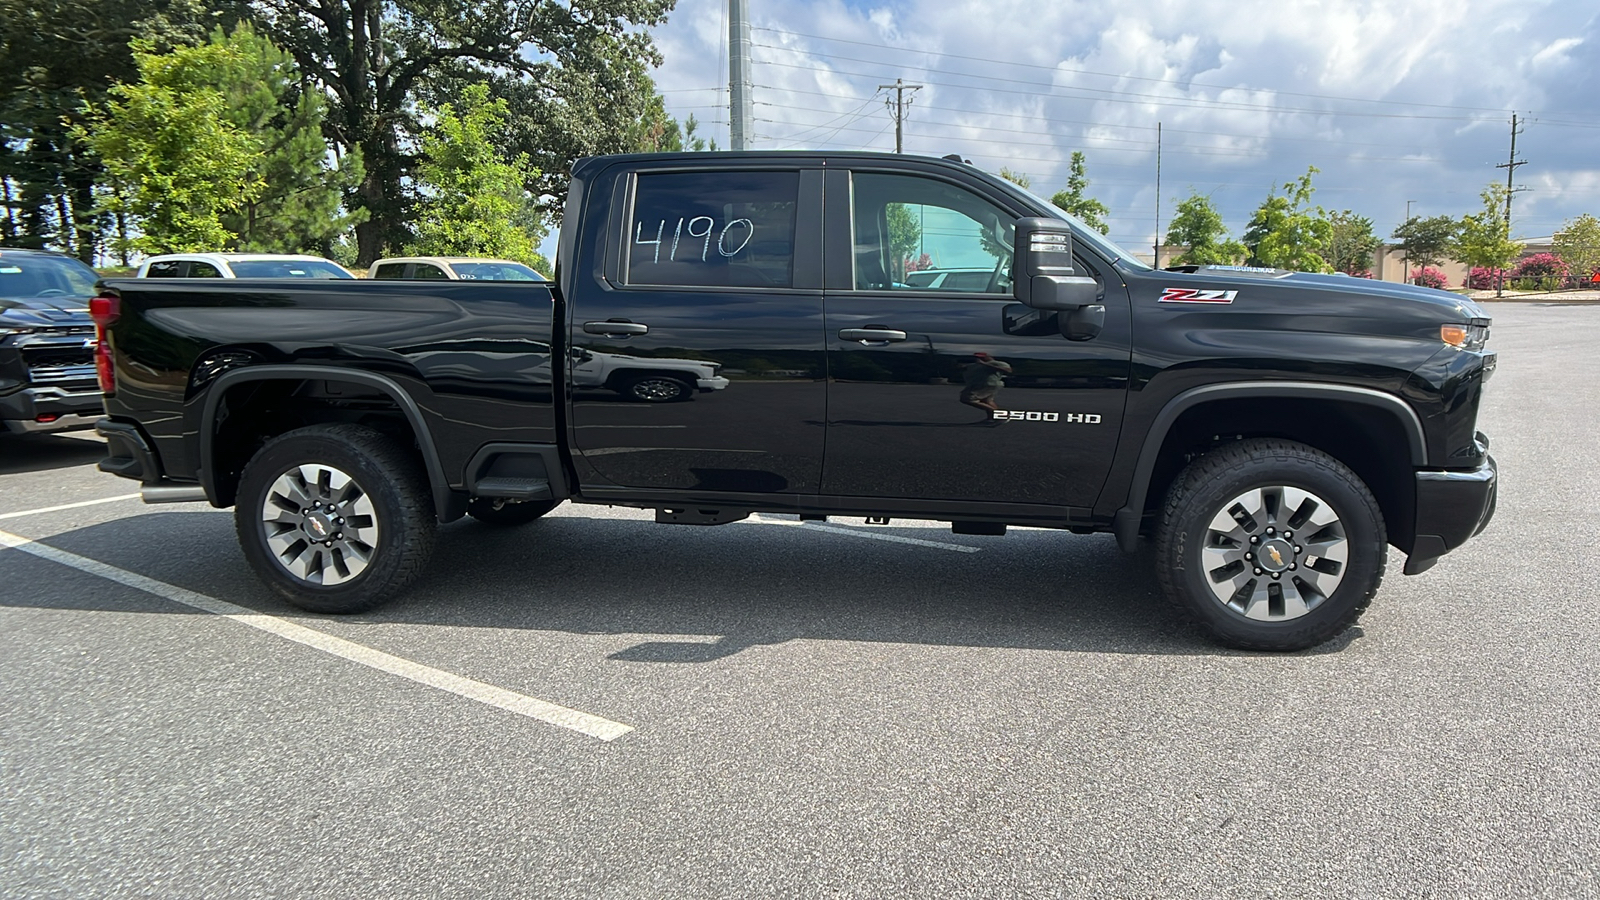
(1042, 261)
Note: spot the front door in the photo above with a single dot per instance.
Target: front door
(942, 386)
(700, 367)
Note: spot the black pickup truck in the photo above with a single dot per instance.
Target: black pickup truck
(1272, 432)
(47, 343)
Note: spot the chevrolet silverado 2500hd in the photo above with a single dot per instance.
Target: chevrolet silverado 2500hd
(1273, 432)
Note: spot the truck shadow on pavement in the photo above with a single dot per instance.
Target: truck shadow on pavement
(21, 453)
(725, 589)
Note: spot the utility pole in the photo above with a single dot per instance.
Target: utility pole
(1510, 165)
(741, 110)
(1156, 259)
(899, 106)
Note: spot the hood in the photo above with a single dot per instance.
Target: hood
(1242, 278)
(44, 312)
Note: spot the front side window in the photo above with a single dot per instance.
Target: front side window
(203, 270)
(713, 229)
(922, 234)
(428, 272)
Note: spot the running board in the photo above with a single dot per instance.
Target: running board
(172, 493)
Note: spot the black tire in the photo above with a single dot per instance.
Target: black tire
(1207, 490)
(656, 389)
(508, 514)
(390, 497)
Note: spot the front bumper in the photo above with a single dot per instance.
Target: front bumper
(39, 409)
(1452, 506)
(714, 383)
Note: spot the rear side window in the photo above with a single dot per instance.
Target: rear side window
(163, 269)
(713, 229)
(391, 271)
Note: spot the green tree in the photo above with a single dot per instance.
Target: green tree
(1483, 238)
(1351, 243)
(1091, 211)
(677, 138)
(905, 237)
(299, 206)
(1020, 179)
(1287, 232)
(575, 79)
(1578, 245)
(1426, 242)
(56, 58)
(173, 161)
(1197, 227)
(472, 202)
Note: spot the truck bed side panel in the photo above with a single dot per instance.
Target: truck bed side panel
(475, 356)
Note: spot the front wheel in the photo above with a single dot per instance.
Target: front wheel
(656, 389)
(1270, 545)
(335, 518)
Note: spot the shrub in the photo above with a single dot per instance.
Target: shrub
(1428, 276)
(1540, 272)
(1482, 278)
(917, 265)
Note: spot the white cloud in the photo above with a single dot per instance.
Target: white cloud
(1393, 102)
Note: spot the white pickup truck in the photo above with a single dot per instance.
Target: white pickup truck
(645, 378)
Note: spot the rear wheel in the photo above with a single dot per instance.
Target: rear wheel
(1270, 545)
(335, 518)
(656, 389)
(506, 513)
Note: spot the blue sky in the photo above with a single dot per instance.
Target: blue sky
(1404, 100)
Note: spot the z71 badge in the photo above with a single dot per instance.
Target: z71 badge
(1196, 295)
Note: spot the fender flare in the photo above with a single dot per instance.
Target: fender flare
(444, 501)
(1125, 523)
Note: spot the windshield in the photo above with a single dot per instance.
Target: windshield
(28, 275)
(495, 271)
(1084, 233)
(287, 268)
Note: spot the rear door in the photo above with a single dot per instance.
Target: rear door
(710, 270)
(951, 390)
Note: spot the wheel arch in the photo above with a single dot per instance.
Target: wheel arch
(221, 485)
(1378, 435)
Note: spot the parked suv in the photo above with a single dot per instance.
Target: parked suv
(451, 268)
(47, 343)
(240, 265)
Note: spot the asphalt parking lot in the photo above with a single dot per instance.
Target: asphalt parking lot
(597, 706)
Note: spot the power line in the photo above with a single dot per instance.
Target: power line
(1122, 76)
(1115, 96)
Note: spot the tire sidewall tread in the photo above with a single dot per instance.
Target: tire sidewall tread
(1228, 471)
(391, 475)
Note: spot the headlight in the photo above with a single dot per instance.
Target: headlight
(8, 330)
(1467, 337)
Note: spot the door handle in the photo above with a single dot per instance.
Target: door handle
(872, 334)
(616, 328)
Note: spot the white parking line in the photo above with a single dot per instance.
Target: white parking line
(854, 532)
(47, 509)
(488, 694)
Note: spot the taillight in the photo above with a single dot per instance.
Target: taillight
(104, 310)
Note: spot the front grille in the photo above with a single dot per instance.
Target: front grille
(59, 365)
(57, 373)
